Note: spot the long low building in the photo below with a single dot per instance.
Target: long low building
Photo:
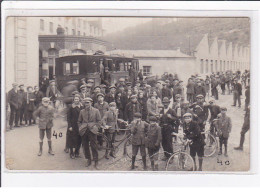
(157, 62)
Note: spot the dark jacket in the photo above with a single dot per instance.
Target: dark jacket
(154, 136)
(190, 88)
(30, 106)
(192, 132)
(12, 98)
(169, 119)
(21, 98)
(38, 98)
(201, 112)
(110, 119)
(238, 88)
(103, 108)
(166, 92)
(110, 98)
(73, 115)
(131, 109)
(200, 90)
(224, 125)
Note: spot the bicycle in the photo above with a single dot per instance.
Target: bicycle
(180, 160)
(211, 143)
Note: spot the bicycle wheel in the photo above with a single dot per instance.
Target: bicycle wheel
(103, 146)
(128, 149)
(180, 161)
(211, 145)
(120, 135)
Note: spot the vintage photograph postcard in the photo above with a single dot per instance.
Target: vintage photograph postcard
(133, 94)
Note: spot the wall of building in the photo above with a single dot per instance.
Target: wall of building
(220, 56)
(170, 65)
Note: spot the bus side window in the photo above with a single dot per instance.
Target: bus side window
(75, 68)
(66, 68)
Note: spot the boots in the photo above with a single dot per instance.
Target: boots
(96, 164)
(133, 163)
(156, 167)
(152, 165)
(200, 164)
(112, 154)
(88, 162)
(50, 148)
(72, 153)
(240, 147)
(144, 162)
(220, 151)
(195, 166)
(225, 154)
(40, 151)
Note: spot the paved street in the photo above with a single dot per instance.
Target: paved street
(22, 148)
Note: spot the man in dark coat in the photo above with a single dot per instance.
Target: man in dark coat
(247, 94)
(237, 92)
(132, 107)
(214, 85)
(38, 96)
(110, 97)
(12, 99)
(44, 83)
(245, 129)
(199, 89)
(168, 120)
(190, 91)
(166, 92)
(22, 102)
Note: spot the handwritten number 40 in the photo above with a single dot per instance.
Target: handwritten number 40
(56, 135)
(222, 163)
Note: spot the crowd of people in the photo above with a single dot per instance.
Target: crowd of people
(152, 112)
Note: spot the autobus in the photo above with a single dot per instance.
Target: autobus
(76, 67)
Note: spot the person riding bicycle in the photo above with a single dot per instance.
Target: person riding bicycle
(214, 111)
(109, 121)
(192, 132)
(153, 141)
(138, 129)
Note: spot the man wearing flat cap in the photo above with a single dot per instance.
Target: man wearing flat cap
(89, 123)
(199, 89)
(12, 99)
(110, 97)
(237, 92)
(132, 107)
(96, 91)
(166, 92)
(22, 102)
(83, 91)
(101, 105)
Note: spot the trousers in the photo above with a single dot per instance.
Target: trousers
(14, 116)
(167, 141)
(89, 140)
(236, 97)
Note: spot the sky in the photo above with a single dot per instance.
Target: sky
(113, 24)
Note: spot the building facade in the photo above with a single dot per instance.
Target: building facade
(219, 55)
(31, 44)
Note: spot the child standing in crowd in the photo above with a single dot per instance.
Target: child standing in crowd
(46, 115)
(153, 141)
(138, 129)
(224, 128)
(74, 139)
(110, 122)
(192, 133)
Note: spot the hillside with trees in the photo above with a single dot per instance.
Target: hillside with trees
(183, 33)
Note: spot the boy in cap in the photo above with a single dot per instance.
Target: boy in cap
(192, 132)
(224, 126)
(110, 97)
(138, 129)
(153, 140)
(46, 115)
(101, 105)
(132, 107)
(109, 121)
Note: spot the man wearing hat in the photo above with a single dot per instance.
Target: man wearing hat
(38, 96)
(12, 99)
(44, 83)
(52, 92)
(110, 97)
(214, 111)
(96, 91)
(200, 111)
(109, 121)
(224, 126)
(101, 105)
(166, 92)
(214, 85)
(199, 90)
(138, 129)
(153, 141)
(30, 106)
(83, 91)
(193, 134)
(121, 82)
(82, 82)
(158, 89)
(168, 122)
(190, 91)
(46, 116)
(89, 123)
(22, 102)
(131, 108)
(237, 92)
